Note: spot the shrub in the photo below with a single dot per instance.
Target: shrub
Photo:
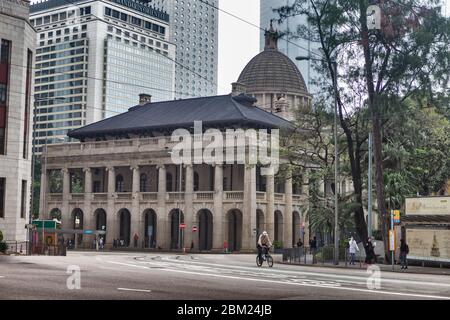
(278, 244)
(1, 236)
(3, 247)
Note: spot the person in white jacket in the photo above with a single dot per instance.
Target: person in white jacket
(352, 249)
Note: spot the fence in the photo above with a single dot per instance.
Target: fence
(17, 247)
(323, 255)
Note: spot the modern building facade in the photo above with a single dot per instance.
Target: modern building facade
(290, 47)
(195, 31)
(274, 80)
(17, 51)
(95, 56)
(133, 189)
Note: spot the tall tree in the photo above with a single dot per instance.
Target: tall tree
(408, 55)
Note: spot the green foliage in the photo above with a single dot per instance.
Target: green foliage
(1, 236)
(278, 244)
(3, 247)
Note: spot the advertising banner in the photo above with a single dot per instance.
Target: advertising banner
(431, 244)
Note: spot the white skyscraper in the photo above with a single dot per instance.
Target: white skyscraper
(194, 30)
(94, 58)
(290, 47)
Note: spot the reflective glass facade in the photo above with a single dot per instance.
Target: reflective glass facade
(130, 71)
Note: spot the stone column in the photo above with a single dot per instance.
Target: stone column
(66, 215)
(111, 214)
(162, 229)
(270, 214)
(287, 219)
(305, 194)
(218, 233)
(88, 216)
(136, 218)
(249, 218)
(189, 206)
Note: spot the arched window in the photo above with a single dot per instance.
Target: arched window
(168, 182)
(119, 183)
(144, 183)
(196, 181)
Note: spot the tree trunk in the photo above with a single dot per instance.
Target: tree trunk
(376, 127)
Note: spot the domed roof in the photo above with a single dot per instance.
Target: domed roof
(272, 71)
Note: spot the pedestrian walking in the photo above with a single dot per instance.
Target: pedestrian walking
(100, 243)
(136, 238)
(352, 249)
(299, 243)
(370, 252)
(312, 245)
(404, 251)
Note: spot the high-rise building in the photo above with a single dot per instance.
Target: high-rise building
(17, 47)
(290, 47)
(93, 58)
(194, 30)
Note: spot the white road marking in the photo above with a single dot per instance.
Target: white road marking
(298, 284)
(2, 276)
(128, 265)
(137, 290)
(363, 277)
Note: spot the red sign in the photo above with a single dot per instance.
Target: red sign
(182, 225)
(194, 229)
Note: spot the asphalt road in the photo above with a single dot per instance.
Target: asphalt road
(200, 277)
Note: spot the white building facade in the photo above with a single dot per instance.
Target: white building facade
(195, 31)
(17, 49)
(93, 58)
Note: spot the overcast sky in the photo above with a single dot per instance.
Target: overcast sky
(238, 41)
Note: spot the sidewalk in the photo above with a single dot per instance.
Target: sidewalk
(362, 266)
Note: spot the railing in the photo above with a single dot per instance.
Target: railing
(100, 196)
(17, 247)
(295, 255)
(175, 196)
(296, 198)
(204, 195)
(77, 196)
(279, 197)
(149, 196)
(124, 196)
(261, 196)
(55, 197)
(234, 195)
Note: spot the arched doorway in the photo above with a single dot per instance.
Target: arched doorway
(205, 229)
(150, 228)
(77, 216)
(125, 226)
(234, 230)
(296, 228)
(55, 214)
(278, 236)
(176, 217)
(100, 219)
(260, 223)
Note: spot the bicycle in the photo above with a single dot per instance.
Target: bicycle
(266, 257)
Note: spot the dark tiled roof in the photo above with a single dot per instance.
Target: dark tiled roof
(273, 72)
(217, 111)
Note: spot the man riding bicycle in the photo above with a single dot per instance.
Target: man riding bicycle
(263, 245)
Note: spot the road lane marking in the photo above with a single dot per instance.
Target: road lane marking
(129, 265)
(136, 290)
(327, 275)
(300, 284)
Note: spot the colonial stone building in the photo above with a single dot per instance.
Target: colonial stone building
(121, 177)
(131, 188)
(274, 80)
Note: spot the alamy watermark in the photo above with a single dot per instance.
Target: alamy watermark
(234, 146)
(73, 282)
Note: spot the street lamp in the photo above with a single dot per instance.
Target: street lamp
(336, 155)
